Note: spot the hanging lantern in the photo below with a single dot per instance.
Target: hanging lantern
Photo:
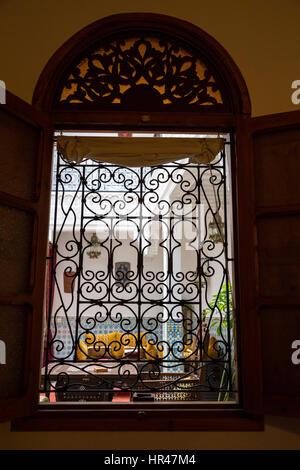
(94, 251)
(217, 229)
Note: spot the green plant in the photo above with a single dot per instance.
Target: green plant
(222, 305)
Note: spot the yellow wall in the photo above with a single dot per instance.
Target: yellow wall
(263, 39)
(261, 36)
(279, 434)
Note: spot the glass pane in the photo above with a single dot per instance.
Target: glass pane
(13, 325)
(18, 156)
(139, 301)
(280, 329)
(277, 167)
(279, 256)
(16, 229)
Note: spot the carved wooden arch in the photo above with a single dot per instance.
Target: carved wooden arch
(171, 34)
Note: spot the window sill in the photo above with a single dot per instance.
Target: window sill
(142, 417)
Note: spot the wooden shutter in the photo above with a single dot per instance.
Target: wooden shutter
(25, 163)
(276, 159)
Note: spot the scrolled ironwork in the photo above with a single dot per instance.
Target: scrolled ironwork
(148, 328)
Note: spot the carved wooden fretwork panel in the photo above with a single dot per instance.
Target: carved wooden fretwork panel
(135, 72)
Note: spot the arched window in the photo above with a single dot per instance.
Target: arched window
(158, 316)
(125, 79)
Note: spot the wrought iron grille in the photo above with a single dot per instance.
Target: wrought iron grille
(152, 317)
(117, 184)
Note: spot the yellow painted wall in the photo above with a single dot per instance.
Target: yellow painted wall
(261, 36)
(263, 39)
(279, 434)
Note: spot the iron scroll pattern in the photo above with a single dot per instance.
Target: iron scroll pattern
(139, 71)
(140, 353)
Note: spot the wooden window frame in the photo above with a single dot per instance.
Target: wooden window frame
(248, 415)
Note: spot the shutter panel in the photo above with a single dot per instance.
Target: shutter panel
(276, 158)
(25, 163)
